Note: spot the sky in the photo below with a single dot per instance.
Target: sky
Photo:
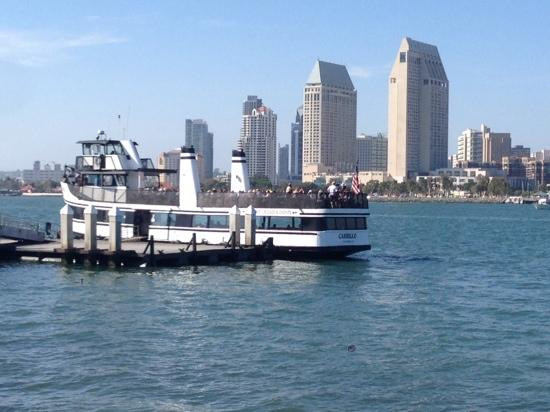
(69, 68)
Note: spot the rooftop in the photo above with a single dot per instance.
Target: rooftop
(330, 74)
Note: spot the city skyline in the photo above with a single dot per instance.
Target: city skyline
(70, 71)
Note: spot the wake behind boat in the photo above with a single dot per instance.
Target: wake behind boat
(110, 173)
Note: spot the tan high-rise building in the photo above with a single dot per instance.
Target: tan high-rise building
(330, 120)
(418, 111)
(495, 145)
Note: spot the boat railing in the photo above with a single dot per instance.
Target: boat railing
(124, 195)
(267, 200)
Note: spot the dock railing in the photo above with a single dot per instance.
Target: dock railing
(23, 229)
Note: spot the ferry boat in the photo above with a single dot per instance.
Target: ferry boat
(110, 173)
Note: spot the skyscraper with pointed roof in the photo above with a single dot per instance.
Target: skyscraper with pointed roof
(418, 111)
(330, 116)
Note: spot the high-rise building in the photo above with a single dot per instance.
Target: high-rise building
(259, 141)
(197, 135)
(372, 152)
(330, 117)
(543, 155)
(282, 172)
(251, 102)
(169, 160)
(495, 145)
(520, 151)
(418, 111)
(296, 145)
(470, 146)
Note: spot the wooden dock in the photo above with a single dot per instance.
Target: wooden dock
(135, 253)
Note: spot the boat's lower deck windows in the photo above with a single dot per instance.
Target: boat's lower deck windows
(311, 223)
(199, 221)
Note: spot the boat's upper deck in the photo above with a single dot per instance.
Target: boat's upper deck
(320, 200)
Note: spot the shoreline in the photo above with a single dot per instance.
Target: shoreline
(477, 200)
(38, 194)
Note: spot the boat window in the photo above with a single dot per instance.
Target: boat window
(86, 150)
(312, 223)
(340, 223)
(261, 222)
(78, 212)
(160, 219)
(331, 223)
(114, 149)
(97, 149)
(350, 223)
(218, 221)
(128, 217)
(361, 223)
(276, 222)
(92, 180)
(200, 221)
(120, 180)
(102, 215)
(108, 180)
(183, 220)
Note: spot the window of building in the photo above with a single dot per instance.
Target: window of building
(402, 57)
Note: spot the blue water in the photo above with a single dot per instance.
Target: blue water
(450, 310)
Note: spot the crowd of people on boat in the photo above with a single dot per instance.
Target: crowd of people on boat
(335, 195)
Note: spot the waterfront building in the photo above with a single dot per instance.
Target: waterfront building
(282, 171)
(330, 116)
(259, 140)
(520, 151)
(526, 172)
(296, 145)
(495, 145)
(169, 160)
(470, 146)
(461, 176)
(198, 136)
(372, 152)
(418, 111)
(51, 171)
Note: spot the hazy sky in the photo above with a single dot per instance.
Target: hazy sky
(69, 68)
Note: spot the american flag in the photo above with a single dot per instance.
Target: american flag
(355, 181)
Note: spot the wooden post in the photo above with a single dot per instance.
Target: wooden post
(90, 228)
(115, 220)
(250, 226)
(152, 261)
(66, 227)
(235, 224)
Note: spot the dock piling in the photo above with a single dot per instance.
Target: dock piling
(250, 226)
(90, 228)
(66, 227)
(115, 220)
(235, 224)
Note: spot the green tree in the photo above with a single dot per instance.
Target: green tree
(372, 187)
(446, 184)
(260, 182)
(482, 184)
(497, 187)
